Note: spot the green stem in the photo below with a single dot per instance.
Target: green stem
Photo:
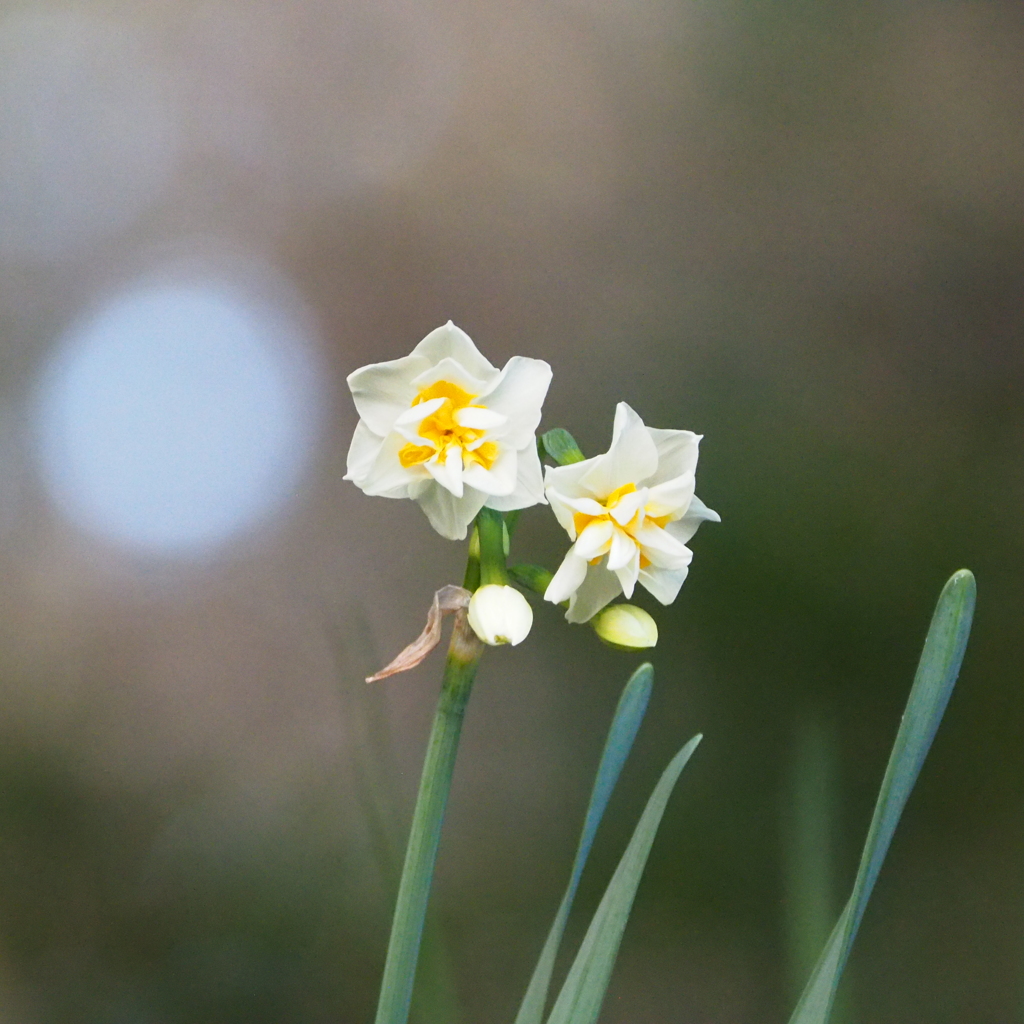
(491, 525)
(421, 853)
(471, 581)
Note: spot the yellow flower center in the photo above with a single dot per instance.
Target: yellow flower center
(583, 519)
(441, 432)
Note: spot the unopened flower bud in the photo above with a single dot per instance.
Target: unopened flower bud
(500, 615)
(626, 627)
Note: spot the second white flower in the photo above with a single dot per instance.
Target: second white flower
(630, 512)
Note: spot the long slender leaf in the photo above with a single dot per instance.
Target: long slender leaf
(628, 716)
(936, 673)
(581, 997)
(812, 903)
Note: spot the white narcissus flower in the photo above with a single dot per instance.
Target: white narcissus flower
(499, 614)
(630, 512)
(446, 428)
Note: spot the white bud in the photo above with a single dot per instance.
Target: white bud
(625, 626)
(500, 615)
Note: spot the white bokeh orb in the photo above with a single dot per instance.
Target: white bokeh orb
(176, 416)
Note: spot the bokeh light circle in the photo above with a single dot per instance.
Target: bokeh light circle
(176, 415)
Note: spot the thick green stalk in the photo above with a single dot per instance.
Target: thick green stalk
(493, 536)
(421, 853)
(471, 581)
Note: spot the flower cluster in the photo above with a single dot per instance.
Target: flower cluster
(449, 430)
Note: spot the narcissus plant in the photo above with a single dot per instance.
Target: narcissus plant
(447, 429)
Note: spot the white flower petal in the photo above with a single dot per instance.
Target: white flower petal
(600, 587)
(451, 342)
(699, 509)
(417, 413)
(529, 489)
(662, 548)
(476, 417)
(595, 540)
(420, 486)
(629, 505)
(518, 394)
(563, 511)
(383, 391)
(387, 475)
(677, 452)
(588, 506)
(629, 573)
(631, 458)
(361, 453)
(567, 579)
(671, 498)
(499, 480)
(446, 469)
(663, 584)
(453, 372)
(622, 551)
(568, 480)
(398, 491)
(683, 529)
(449, 515)
(409, 423)
(411, 435)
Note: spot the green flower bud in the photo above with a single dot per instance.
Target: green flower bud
(625, 627)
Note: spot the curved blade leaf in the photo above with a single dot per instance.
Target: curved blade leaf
(936, 673)
(628, 716)
(581, 997)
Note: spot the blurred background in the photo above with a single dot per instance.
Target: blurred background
(795, 227)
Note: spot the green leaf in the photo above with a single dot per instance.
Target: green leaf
(628, 716)
(936, 673)
(562, 447)
(581, 997)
